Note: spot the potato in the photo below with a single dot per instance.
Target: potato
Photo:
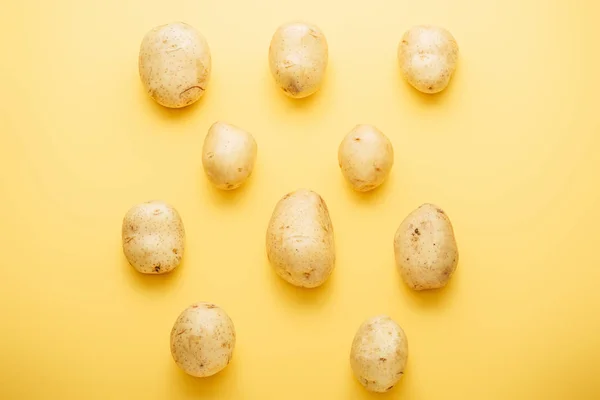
(228, 155)
(298, 58)
(425, 248)
(202, 340)
(174, 64)
(379, 353)
(153, 237)
(300, 243)
(366, 157)
(428, 56)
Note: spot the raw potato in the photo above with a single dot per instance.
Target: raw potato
(428, 56)
(300, 243)
(298, 58)
(228, 155)
(202, 340)
(153, 237)
(366, 157)
(379, 353)
(174, 64)
(425, 248)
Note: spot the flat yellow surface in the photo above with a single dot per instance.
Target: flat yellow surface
(511, 151)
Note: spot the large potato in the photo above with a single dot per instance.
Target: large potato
(174, 64)
(153, 237)
(366, 157)
(379, 353)
(427, 56)
(202, 340)
(228, 155)
(300, 243)
(425, 248)
(298, 58)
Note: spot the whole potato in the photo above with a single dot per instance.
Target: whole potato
(428, 56)
(366, 157)
(202, 340)
(174, 64)
(300, 243)
(228, 155)
(298, 58)
(153, 237)
(379, 353)
(425, 248)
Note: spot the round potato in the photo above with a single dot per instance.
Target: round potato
(366, 157)
(228, 155)
(202, 340)
(153, 237)
(298, 58)
(428, 56)
(425, 248)
(300, 243)
(379, 353)
(174, 64)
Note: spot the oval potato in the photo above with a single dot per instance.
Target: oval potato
(300, 243)
(202, 340)
(428, 57)
(425, 248)
(379, 353)
(153, 237)
(298, 57)
(228, 155)
(174, 64)
(366, 157)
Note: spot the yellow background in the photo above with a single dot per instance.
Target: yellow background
(510, 151)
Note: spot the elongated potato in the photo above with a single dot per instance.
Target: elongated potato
(366, 157)
(153, 237)
(228, 155)
(298, 58)
(379, 353)
(425, 248)
(174, 64)
(300, 243)
(202, 340)
(427, 57)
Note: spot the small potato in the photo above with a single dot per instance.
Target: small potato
(228, 155)
(428, 56)
(298, 58)
(300, 243)
(366, 157)
(379, 353)
(425, 248)
(153, 237)
(202, 340)
(174, 64)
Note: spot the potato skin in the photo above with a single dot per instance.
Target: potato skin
(425, 248)
(202, 340)
(174, 64)
(298, 57)
(300, 243)
(428, 57)
(379, 353)
(228, 155)
(153, 237)
(366, 157)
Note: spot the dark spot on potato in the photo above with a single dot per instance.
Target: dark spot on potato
(175, 251)
(240, 169)
(128, 239)
(287, 227)
(210, 306)
(201, 365)
(440, 210)
(158, 211)
(390, 388)
(407, 258)
(157, 268)
(225, 345)
(382, 359)
(287, 196)
(181, 332)
(190, 88)
(377, 169)
(210, 154)
(430, 88)
(357, 139)
(229, 185)
(133, 227)
(307, 275)
(404, 42)
(399, 373)
(417, 231)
